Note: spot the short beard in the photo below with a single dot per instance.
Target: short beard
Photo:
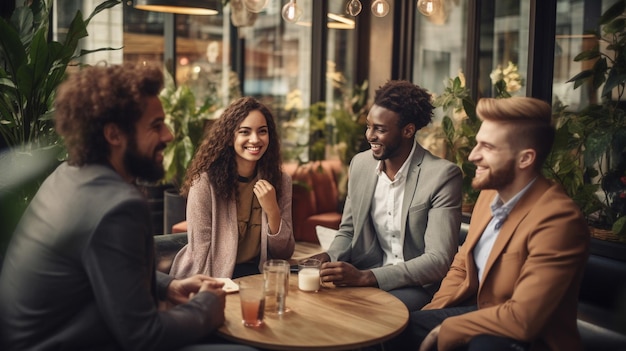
(498, 179)
(388, 151)
(141, 166)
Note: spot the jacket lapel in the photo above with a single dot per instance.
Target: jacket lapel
(518, 213)
(479, 221)
(363, 198)
(410, 187)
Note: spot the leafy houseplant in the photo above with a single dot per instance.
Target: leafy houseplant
(31, 68)
(187, 122)
(343, 127)
(460, 125)
(604, 120)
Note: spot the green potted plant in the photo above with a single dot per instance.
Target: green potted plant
(460, 122)
(459, 127)
(604, 120)
(31, 68)
(339, 131)
(188, 122)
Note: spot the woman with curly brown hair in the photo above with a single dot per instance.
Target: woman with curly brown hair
(238, 198)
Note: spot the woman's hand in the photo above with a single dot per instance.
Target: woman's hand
(266, 194)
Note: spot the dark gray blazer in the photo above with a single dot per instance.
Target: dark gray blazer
(79, 273)
(431, 211)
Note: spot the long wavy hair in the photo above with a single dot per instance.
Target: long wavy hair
(216, 155)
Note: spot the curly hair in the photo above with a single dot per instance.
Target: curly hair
(216, 155)
(531, 117)
(409, 101)
(95, 96)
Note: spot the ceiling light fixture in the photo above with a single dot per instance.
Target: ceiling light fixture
(354, 7)
(380, 8)
(183, 7)
(428, 7)
(291, 12)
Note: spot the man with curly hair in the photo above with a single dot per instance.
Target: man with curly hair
(80, 272)
(402, 216)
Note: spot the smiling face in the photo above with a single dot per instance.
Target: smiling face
(383, 133)
(251, 140)
(143, 156)
(494, 157)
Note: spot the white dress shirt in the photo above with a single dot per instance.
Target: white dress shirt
(386, 211)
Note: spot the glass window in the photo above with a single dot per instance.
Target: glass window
(573, 19)
(143, 35)
(440, 45)
(503, 51)
(107, 24)
(340, 64)
(277, 65)
(203, 60)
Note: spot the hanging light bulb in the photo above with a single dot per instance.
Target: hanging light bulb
(380, 8)
(354, 8)
(255, 6)
(428, 7)
(291, 12)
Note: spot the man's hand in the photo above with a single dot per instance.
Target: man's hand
(345, 274)
(430, 342)
(181, 290)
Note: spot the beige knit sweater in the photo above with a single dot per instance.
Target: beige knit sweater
(213, 235)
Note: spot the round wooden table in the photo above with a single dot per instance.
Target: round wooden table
(330, 319)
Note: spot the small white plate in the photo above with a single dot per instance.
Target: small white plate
(229, 285)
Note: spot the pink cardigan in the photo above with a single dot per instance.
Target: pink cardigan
(213, 236)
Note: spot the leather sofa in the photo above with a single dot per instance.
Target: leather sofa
(315, 198)
(602, 299)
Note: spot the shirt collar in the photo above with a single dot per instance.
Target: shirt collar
(501, 210)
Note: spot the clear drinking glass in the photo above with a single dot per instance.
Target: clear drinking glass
(276, 279)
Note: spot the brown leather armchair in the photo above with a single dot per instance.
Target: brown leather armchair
(315, 197)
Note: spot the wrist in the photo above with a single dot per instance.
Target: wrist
(370, 279)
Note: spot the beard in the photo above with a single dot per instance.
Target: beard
(388, 151)
(142, 166)
(496, 179)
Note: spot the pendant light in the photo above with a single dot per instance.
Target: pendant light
(428, 7)
(291, 12)
(184, 7)
(380, 8)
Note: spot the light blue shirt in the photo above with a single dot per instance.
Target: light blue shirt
(500, 212)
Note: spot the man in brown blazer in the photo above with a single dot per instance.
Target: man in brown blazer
(514, 283)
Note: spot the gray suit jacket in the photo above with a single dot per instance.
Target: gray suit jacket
(431, 211)
(79, 273)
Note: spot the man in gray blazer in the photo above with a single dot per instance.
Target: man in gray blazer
(400, 224)
(79, 273)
